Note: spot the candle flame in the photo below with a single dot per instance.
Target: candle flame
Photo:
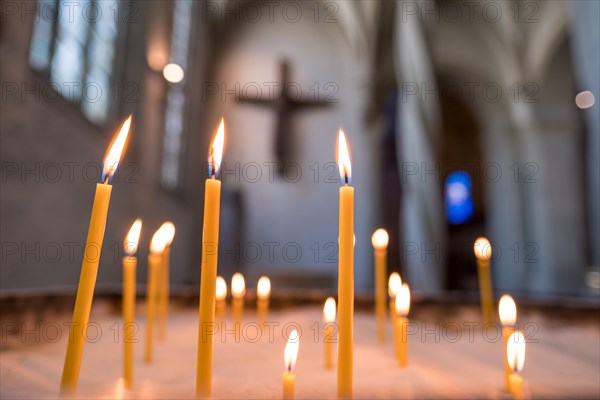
(263, 288)
(403, 301)
(238, 285)
(482, 249)
(291, 350)
(215, 153)
(380, 239)
(343, 158)
(159, 241)
(133, 238)
(169, 232)
(111, 161)
(329, 310)
(221, 289)
(515, 351)
(394, 284)
(507, 310)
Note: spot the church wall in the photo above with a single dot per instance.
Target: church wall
(45, 217)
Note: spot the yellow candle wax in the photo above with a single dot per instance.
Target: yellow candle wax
(85, 290)
(401, 339)
(345, 274)
(263, 292)
(129, 267)
(483, 253)
(154, 261)
(210, 253)
(128, 299)
(290, 355)
(221, 297)
(516, 386)
(507, 309)
(289, 384)
(380, 240)
(164, 281)
(329, 330)
(89, 266)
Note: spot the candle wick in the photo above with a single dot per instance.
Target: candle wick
(106, 180)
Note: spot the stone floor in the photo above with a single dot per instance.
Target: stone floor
(449, 357)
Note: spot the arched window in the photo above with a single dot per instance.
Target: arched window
(73, 46)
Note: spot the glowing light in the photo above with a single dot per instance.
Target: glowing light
(133, 237)
(238, 285)
(263, 288)
(585, 99)
(221, 289)
(482, 249)
(173, 73)
(159, 241)
(111, 161)
(515, 351)
(215, 152)
(507, 310)
(380, 239)
(329, 310)
(403, 301)
(343, 158)
(291, 350)
(394, 284)
(169, 230)
(458, 201)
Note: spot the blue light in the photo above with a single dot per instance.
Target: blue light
(457, 193)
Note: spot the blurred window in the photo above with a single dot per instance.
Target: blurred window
(73, 45)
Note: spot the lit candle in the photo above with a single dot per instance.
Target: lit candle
(483, 253)
(402, 308)
(89, 266)
(380, 241)
(164, 281)
(238, 291)
(263, 291)
(290, 355)
(515, 353)
(210, 253)
(345, 272)
(508, 317)
(157, 246)
(221, 296)
(129, 267)
(329, 330)
(394, 285)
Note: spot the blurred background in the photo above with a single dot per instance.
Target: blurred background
(464, 119)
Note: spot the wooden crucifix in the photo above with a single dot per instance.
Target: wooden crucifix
(285, 106)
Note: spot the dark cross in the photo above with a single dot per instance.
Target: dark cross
(285, 106)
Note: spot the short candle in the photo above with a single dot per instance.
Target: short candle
(289, 356)
(380, 241)
(263, 292)
(483, 253)
(221, 296)
(157, 246)
(515, 353)
(128, 300)
(329, 330)
(164, 281)
(402, 309)
(507, 309)
(238, 291)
